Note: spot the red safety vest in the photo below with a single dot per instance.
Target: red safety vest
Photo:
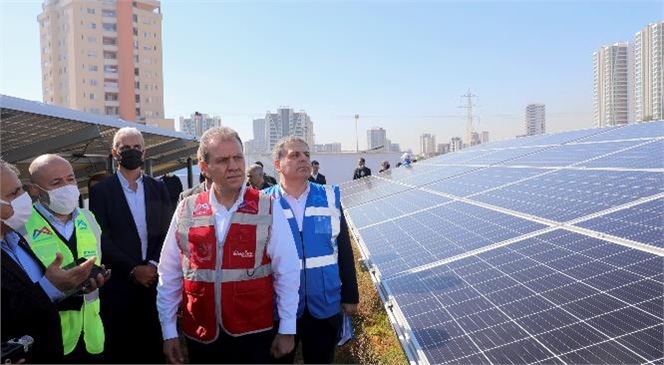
(228, 285)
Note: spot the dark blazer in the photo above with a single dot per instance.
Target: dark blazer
(361, 172)
(27, 310)
(320, 179)
(120, 243)
(128, 309)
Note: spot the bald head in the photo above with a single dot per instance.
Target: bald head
(51, 171)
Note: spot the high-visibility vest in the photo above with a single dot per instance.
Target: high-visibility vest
(228, 285)
(46, 243)
(320, 282)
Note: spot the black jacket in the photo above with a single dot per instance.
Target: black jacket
(361, 172)
(27, 310)
(320, 179)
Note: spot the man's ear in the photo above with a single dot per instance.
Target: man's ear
(115, 154)
(32, 190)
(277, 165)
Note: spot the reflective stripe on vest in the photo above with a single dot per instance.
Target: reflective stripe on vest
(234, 266)
(45, 243)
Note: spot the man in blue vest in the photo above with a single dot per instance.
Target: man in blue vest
(58, 225)
(328, 281)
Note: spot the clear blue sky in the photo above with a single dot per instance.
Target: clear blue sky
(400, 65)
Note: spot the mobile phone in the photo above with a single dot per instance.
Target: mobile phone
(96, 270)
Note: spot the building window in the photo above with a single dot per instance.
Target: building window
(110, 68)
(134, 18)
(108, 13)
(91, 11)
(93, 68)
(92, 96)
(94, 82)
(109, 27)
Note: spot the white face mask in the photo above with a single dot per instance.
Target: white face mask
(22, 207)
(62, 200)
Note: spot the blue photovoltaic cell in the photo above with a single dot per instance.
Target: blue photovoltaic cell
(647, 156)
(568, 194)
(367, 189)
(437, 233)
(463, 156)
(563, 137)
(570, 154)
(392, 207)
(632, 131)
(501, 155)
(641, 223)
(419, 175)
(528, 302)
(482, 180)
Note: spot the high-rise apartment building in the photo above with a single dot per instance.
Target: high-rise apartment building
(535, 119)
(456, 144)
(427, 145)
(285, 122)
(649, 73)
(377, 138)
(198, 123)
(103, 56)
(612, 85)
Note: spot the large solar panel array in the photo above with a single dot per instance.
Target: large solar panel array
(545, 249)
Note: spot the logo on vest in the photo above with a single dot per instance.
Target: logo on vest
(81, 225)
(44, 230)
(201, 208)
(244, 254)
(89, 253)
(247, 207)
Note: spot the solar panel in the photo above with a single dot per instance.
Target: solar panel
(545, 249)
(569, 154)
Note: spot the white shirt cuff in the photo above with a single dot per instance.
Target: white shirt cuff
(287, 327)
(169, 331)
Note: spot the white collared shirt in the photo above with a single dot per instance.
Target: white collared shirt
(280, 248)
(297, 204)
(136, 202)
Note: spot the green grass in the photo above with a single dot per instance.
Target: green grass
(375, 341)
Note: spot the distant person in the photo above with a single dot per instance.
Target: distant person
(398, 164)
(271, 180)
(384, 166)
(361, 170)
(255, 178)
(316, 177)
(406, 159)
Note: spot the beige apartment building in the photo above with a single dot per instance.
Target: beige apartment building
(103, 56)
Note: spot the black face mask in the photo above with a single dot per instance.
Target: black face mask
(131, 159)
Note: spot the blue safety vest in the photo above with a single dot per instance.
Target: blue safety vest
(320, 283)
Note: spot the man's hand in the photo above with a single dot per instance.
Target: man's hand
(173, 351)
(282, 345)
(68, 280)
(97, 282)
(350, 309)
(145, 275)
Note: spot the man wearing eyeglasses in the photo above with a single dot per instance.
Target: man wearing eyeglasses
(134, 213)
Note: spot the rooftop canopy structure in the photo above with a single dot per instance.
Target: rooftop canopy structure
(29, 129)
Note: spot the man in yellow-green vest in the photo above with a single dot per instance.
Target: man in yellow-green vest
(58, 225)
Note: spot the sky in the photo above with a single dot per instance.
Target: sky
(402, 66)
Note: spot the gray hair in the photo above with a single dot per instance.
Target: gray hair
(6, 165)
(215, 134)
(124, 132)
(278, 152)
